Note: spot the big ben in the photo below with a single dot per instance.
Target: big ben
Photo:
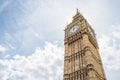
(82, 59)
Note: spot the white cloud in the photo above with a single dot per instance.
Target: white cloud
(2, 49)
(43, 64)
(49, 61)
(110, 49)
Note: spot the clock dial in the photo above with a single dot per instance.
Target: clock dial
(73, 29)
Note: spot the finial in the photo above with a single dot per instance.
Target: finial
(77, 10)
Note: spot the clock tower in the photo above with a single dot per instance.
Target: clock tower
(81, 60)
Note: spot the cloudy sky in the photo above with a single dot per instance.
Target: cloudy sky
(32, 34)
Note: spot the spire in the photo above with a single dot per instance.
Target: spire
(77, 15)
(77, 10)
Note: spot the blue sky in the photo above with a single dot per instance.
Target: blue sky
(32, 32)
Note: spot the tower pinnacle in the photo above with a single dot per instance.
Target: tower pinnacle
(78, 15)
(77, 10)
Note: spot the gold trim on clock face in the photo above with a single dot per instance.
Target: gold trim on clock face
(74, 28)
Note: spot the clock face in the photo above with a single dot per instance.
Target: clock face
(73, 29)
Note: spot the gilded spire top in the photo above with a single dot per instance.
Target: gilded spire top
(77, 10)
(77, 15)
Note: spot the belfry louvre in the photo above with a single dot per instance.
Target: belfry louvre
(82, 59)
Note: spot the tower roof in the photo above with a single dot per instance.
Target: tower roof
(78, 15)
